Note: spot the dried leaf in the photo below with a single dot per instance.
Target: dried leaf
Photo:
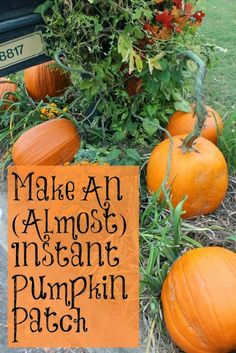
(154, 63)
(138, 62)
(165, 33)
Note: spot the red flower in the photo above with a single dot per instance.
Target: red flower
(199, 16)
(178, 3)
(188, 8)
(165, 18)
(147, 26)
(179, 30)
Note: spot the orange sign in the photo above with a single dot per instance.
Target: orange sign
(73, 272)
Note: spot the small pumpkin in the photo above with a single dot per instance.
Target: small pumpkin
(46, 79)
(198, 298)
(6, 86)
(183, 123)
(53, 142)
(200, 173)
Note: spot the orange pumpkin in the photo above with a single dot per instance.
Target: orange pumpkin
(198, 298)
(5, 87)
(53, 142)
(183, 123)
(200, 173)
(46, 79)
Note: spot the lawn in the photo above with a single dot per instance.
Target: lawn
(219, 26)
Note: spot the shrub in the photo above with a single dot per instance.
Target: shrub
(124, 57)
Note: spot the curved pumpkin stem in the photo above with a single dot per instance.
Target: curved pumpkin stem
(57, 57)
(200, 109)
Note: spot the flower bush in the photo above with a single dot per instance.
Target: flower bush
(128, 73)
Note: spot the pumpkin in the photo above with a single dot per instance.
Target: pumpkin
(183, 123)
(53, 142)
(201, 174)
(198, 299)
(46, 79)
(6, 86)
(194, 167)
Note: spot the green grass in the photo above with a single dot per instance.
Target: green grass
(219, 26)
(220, 84)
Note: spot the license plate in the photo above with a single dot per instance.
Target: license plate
(20, 49)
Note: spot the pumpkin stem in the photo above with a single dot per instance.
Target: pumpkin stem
(82, 72)
(200, 109)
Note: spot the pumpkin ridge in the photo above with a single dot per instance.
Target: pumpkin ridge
(228, 264)
(7, 86)
(193, 307)
(181, 335)
(184, 316)
(52, 76)
(49, 143)
(232, 269)
(43, 80)
(61, 155)
(71, 148)
(211, 306)
(50, 126)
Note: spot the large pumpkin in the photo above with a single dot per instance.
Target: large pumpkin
(199, 302)
(53, 142)
(200, 173)
(46, 79)
(7, 86)
(183, 123)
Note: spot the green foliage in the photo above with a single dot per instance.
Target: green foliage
(162, 241)
(219, 27)
(113, 156)
(132, 74)
(163, 238)
(227, 142)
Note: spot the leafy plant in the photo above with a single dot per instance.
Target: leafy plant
(162, 241)
(163, 238)
(127, 75)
